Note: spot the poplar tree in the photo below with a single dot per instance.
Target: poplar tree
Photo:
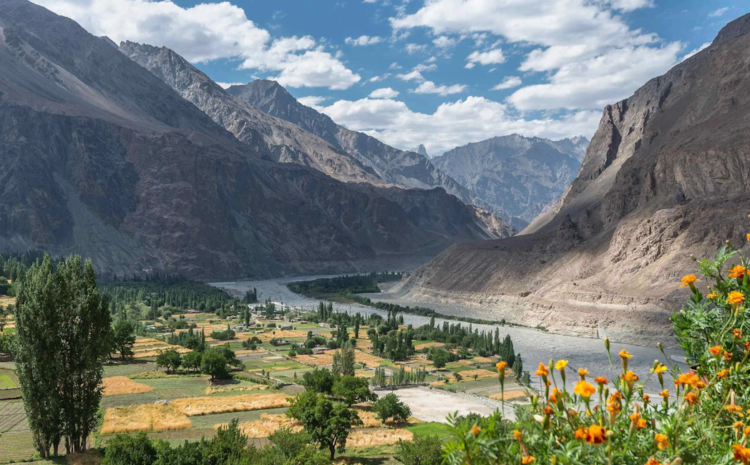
(64, 337)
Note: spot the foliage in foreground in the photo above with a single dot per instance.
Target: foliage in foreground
(229, 446)
(699, 417)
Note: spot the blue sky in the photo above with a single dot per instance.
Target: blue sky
(439, 72)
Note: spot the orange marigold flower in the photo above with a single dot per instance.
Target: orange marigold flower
(517, 434)
(646, 398)
(746, 432)
(642, 423)
(584, 389)
(728, 356)
(722, 374)
(553, 396)
(741, 453)
(662, 441)
(548, 411)
(738, 272)
(596, 435)
(688, 379)
(582, 372)
(691, 398)
(712, 295)
(581, 433)
(542, 370)
(737, 333)
(475, 430)
(733, 408)
(688, 280)
(738, 425)
(748, 236)
(716, 350)
(501, 366)
(625, 354)
(634, 417)
(527, 459)
(561, 364)
(664, 394)
(601, 380)
(630, 377)
(735, 298)
(653, 461)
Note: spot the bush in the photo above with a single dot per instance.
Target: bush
(426, 450)
(130, 450)
(701, 421)
(390, 406)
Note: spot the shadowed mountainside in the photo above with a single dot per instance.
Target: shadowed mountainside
(102, 158)
(664, 178)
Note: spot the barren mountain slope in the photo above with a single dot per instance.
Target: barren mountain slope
(408, 169)
(287, 142)
(519, 175)
(664, 177)
(102, 158)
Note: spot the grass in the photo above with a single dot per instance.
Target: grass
(6, 382)
(441, 430)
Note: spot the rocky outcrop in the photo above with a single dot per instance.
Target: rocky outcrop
(664, 178)
(518, 175)
(102, 158)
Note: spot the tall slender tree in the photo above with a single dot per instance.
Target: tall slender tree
(64, 337)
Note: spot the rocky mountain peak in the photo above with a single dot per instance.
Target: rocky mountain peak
(421, 149)
(737, 28)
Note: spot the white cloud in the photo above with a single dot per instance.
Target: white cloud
(416, 73)
(394, 65)
(444, 42)
(589, 54)
(490, 57)
(414, 48)
(227, 85)
(369, 1)
(411, 76)
(429, 87)
(312, 100)
(598, 81)
(385, 92)
(717, 13)
(363, 40)
(453, 124)
(209, 31)
(693, 52)
(630, 5)
(508, 83)
(379, 78)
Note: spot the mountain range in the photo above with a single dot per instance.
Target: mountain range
(518, 175)
(101, 157)
(663, 179)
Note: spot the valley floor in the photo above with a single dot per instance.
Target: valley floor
(535, 346)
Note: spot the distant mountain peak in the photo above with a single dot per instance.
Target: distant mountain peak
(421, 149)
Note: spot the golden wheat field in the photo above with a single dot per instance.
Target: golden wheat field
(147, 341)
(146, 353)
(267, 425)
(368, 359)
(377, 437)
(481, 374)
(193, 406)
(116, 385)
(509, 395)
(322, 359)
(155, 417)
(428, 344)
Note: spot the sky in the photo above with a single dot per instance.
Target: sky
(442, 73)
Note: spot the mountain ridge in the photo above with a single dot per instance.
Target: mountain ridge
(663, 179)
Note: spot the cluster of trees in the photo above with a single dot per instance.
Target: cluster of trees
(175, 293)
(229, 446)
(64, 336)
(342, 286)
(214, 361)
(400, 377)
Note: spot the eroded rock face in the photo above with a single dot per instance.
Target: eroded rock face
(102, 158)
(517, 174)
(404, 168)
(664, 178)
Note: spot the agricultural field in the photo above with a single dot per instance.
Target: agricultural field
(140, 396)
